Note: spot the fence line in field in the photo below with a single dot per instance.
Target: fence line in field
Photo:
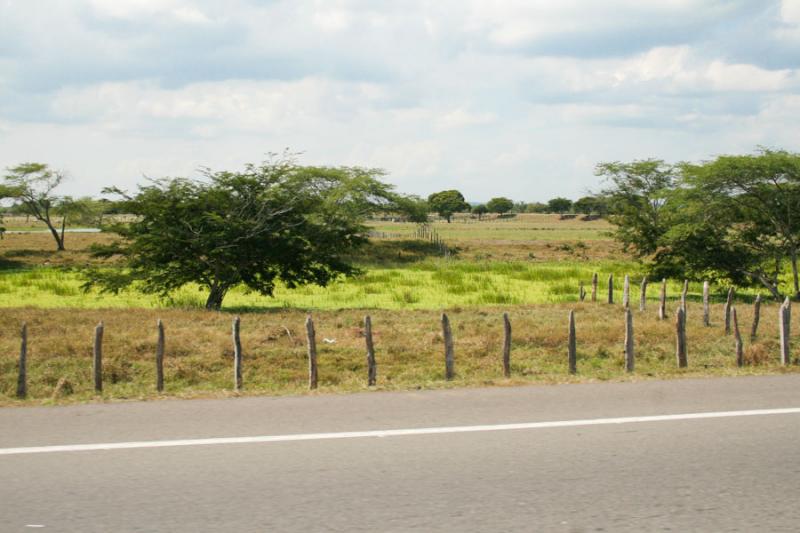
(731, 325)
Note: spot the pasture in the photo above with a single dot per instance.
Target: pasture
(525, 266)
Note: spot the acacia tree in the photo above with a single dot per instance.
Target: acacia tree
(33, 186)
(447, 203)
(637, 199)
(756, 202)
(272, 222)
(734, 218)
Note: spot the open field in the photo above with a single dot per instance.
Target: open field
(522, 227)
(405, 285)
(408, 344)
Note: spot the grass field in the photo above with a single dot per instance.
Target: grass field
(527, 272)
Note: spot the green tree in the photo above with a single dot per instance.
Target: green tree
(637, 198)
(275, 221)
(33, 186)
(559, 205)
(752, 202)
(589, 205)
(447, 203)
(500, 205)
(480, 210)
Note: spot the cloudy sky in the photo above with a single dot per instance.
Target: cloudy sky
(519, 98)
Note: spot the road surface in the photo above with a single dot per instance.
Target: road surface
(593, 457)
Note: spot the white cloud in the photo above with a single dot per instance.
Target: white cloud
(133, 9)
(460, 117)
(489, 97)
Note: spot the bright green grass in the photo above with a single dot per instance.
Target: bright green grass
(427, 285)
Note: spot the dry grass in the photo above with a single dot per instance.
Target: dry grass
(409, 350)
(27, 250)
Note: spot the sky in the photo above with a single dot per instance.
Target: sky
(494, 98)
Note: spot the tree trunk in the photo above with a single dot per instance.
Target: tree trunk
(215, 297)
(63, 229)
(59, 238)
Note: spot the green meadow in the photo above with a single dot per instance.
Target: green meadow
(431, 284)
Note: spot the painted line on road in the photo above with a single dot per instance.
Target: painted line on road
(390, 432)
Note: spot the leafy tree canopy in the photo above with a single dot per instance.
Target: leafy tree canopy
(447, 203)
(500, 205)
(735, 218)
(271, 222)
(589, 205)
(637, 198)
(559, 205)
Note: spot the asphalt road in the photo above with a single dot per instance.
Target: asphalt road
(733, 473)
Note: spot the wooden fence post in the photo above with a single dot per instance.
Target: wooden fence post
(237, 354)
(372, 370)
(756, 317)
(784, 318)
(506, 346)
(22, 378)
(571, 345)
(98, 357)
(643, 294)
(728, 305)
(629, 355)
(311, 335)
(611, 288)
(447, 334)
(680, 334)
(594, 287)
(662, 306)
(626, 292)
(684, 292)
(706, 305)
(160, 357)
(738, 339)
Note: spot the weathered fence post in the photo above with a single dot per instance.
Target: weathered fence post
(506, 346)
(662, 306)
(611, 288)
(756, 317)
(784, 318)
(594, 287)
(582, 292)
(629, 355)
(738, 339)
(22, 378)
(372, 370)
(626, 292)
(728, 305)
(684, 292)
(312, 353)
(571, 345)
(706, 305)
(447, 334)
(237, 354)
(643, 294)
(160, 357)
(98, 358)
(680, 334)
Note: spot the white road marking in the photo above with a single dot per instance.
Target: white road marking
(390, 432)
